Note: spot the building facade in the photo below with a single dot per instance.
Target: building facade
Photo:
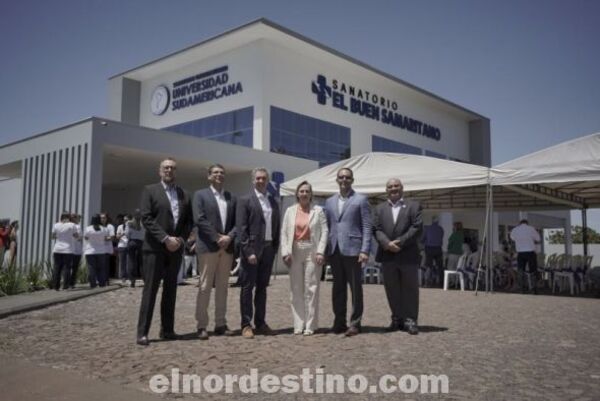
(258, 95)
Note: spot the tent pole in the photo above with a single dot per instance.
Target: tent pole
(483, 241)
(584, 231)
(490, 255)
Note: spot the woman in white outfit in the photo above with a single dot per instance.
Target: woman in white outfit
(303, 242)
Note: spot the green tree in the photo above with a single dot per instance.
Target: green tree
(558, 236)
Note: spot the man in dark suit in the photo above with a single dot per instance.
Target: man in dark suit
(214, 218)
(398, 225)
(349, 221)
(167, 217)
(258, 226)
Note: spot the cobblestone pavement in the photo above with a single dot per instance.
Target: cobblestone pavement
(491, 347)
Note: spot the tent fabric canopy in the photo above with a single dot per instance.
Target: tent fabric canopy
(563, 176)
(372, 170)
(438, 184)
(571, 168)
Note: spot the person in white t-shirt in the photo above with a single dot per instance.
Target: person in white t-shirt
(96, 236)
(64, 234)
(122, 249)
(109, 248)
(77, 249)
(525, 238)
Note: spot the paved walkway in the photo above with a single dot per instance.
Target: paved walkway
(491, 347)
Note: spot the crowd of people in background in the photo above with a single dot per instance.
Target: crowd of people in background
(515, 258)
(104, 248)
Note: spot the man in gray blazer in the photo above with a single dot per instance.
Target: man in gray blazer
(398, 224)
(214, 219)
(349, 222)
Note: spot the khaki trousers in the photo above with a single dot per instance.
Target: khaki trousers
(214, 268)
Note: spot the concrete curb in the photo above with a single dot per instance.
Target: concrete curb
(15, 304)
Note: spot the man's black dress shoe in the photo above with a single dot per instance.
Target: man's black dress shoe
(394, 326)
(223, 331)
(169, 336)
(264, 330)
(411, 327)
(339, 329)
(143, 340)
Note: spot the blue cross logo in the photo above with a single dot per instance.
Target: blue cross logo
(321, 89)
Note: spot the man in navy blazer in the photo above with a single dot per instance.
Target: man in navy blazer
(398, 225)
(258, 227)
(167, 218)
(349, 220)
(214, 218)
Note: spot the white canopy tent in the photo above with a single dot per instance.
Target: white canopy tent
(372, 170)
(437, 183)
(565, 176)
(569, 170)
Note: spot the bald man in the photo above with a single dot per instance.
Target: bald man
(167, 217)
(398, 224)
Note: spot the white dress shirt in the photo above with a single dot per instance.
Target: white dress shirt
(396, 208)
(171, 192)
(222, 203)
(267, 213)
(341, 202)
(525, 237)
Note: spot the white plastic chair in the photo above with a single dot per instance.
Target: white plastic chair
(562, 274)
(462, 262)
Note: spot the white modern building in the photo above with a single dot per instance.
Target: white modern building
(258, 95)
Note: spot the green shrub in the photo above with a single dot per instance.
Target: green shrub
(13, 280)
(39, 275)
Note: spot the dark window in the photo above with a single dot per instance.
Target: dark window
(310, 138)
(233, 127)
(380, 144)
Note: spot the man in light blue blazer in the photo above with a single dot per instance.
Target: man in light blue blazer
(350, 228)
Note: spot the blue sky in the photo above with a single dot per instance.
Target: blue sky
(532, 67)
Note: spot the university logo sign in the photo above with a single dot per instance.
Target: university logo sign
(196, 89)
(352, 99)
